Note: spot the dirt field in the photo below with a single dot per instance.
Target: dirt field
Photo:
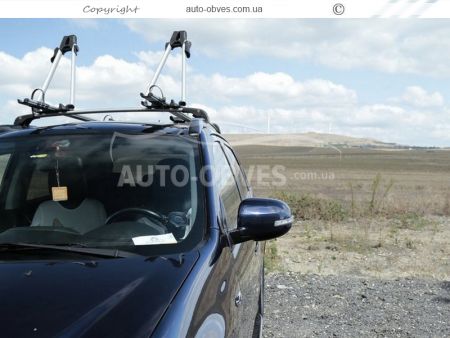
(395, 207)
(420, 178)
(369, 254)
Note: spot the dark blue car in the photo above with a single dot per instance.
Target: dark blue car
(114, 229)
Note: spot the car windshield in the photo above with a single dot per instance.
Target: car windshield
(121, 191)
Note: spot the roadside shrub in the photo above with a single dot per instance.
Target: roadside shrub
(411, 220)
(378, 197)
(308, 207)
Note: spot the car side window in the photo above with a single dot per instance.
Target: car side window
(226, 185)
(237, 171)
(4, 159)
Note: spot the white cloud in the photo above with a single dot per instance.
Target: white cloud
(107, 79)
(392, 46)
(276, 89)
(241, 103)
(419, 97)
(172, 66)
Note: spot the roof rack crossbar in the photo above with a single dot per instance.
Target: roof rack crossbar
(180, 114)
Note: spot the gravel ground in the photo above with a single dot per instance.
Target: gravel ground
(346, 306)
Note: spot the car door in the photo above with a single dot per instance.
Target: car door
(248, 255)
(245, 273)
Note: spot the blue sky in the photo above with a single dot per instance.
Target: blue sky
(355, 77)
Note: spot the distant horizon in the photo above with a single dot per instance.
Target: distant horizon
(341, 135)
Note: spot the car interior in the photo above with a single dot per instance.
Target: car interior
(113, 190)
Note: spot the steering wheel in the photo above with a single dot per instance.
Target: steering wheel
(162, 220)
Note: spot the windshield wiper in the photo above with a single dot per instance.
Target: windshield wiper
(77, 248)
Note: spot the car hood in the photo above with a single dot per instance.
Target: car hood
(102, 298)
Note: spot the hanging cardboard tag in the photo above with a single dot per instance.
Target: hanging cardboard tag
(60, 194)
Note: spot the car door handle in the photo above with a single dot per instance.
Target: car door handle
(238, 299)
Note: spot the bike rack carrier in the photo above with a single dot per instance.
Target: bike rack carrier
(178, 39)
(179, 111)
(38, 104)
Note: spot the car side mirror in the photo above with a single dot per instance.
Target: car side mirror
(260, 219)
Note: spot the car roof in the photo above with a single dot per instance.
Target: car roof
(94, 128)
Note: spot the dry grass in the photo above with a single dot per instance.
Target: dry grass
(378, 247)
